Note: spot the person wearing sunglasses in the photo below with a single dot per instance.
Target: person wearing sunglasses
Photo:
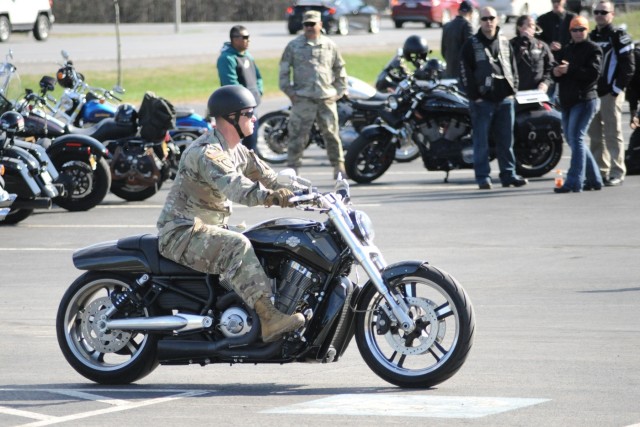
(577, 74)
(313, 76)
(215, 171)
(489, 75)
(618, 66)
(236, 66)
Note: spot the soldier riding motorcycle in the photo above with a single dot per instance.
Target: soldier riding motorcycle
(134, 309)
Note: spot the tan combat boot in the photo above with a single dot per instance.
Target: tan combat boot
(274, 323)
(339, 168)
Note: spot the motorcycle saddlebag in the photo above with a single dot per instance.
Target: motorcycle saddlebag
(632, 155)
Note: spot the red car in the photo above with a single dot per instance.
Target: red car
(427, 11)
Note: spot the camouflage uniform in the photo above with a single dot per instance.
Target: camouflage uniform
(312, 73)
(192, 225)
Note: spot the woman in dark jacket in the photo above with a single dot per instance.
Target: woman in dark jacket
(577, 73)
(533, 56)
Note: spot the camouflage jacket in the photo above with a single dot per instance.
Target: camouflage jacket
(312, 69)
(210, 177)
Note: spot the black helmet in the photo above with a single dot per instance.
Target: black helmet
(415, 50)
(65, 77)
(126, 114)
(230, 99)
(11, 123)
(434, 67)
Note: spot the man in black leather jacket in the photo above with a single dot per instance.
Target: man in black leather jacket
(607, 144)
(489, 76)
(555, 26)
(454, 35)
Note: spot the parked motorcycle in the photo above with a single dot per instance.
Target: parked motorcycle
(79, 159)
(27, 173)
(139, 161)
(356, 111)
(438, 119)
(132, 309)
(6, 199)
(83, 105)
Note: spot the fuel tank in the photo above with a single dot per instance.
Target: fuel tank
(442, 101)
(301, 239)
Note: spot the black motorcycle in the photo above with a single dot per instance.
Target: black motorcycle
(132, 310)
(6, 198)
(359, 109)
(437, 118)
(140, 152)
(28, 173)
(80, 159)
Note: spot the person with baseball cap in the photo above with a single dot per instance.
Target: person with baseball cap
(454, 34)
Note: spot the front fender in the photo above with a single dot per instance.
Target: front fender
(374, 131)
(77, 143)
(389, 275)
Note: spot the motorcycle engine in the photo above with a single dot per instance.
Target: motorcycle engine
(296, 281)
(446, 142)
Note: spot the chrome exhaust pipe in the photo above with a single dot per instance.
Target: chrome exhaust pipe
(177, 323)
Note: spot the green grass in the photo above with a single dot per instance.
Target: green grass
(194, 83)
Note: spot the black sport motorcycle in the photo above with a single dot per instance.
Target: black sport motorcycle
(132, 310)
(437, 118)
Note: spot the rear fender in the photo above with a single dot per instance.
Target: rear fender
(108, 256)
(77, 144)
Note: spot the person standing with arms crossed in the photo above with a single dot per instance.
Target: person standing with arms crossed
(313, 76)
(454, 34)
(490, 78)
(607, 144)
(236, 66)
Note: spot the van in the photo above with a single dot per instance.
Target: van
(25, 16)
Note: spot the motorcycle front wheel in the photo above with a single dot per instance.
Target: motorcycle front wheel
(368, 158)
(538, 157)
(441, 341)
(101, 355)
(85, 186)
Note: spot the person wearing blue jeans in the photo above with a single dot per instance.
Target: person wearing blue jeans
(489, 75)
(577, 74)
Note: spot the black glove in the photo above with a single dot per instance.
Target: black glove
(279, 197)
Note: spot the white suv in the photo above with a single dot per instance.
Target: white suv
(513, 8)
(25, 16)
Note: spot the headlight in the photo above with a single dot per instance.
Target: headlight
(393, 102)
(363, 227)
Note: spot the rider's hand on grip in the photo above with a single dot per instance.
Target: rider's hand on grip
(279, 197)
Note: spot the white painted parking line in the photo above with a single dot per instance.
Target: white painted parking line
(117, 405)
(407, 406)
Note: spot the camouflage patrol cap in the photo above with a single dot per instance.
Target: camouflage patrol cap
(311, 16)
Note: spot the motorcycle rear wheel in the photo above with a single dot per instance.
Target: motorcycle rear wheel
(537, 158)
(88, 187)
(369, 158)
(437, 349)
(106, 357)
(16, 215)
(134, 193)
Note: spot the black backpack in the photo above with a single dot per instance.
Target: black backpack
(632, 155)
(156, 117)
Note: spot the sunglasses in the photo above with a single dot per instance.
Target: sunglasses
(578, 30)
(601, 12)
(309, 24)
(487, 18)
(241, 37)
(247, 114)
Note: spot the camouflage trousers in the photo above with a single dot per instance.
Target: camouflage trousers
(213, 249)
(304, 112)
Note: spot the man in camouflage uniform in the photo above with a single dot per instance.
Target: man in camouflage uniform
(313, 76)
(214, 171)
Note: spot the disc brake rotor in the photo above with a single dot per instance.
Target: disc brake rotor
(424, 313)
(94, 331)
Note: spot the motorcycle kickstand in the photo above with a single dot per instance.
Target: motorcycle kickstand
(446, 177)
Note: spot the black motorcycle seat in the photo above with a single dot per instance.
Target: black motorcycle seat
(106, 129)
(148, 245)
(368, 104)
